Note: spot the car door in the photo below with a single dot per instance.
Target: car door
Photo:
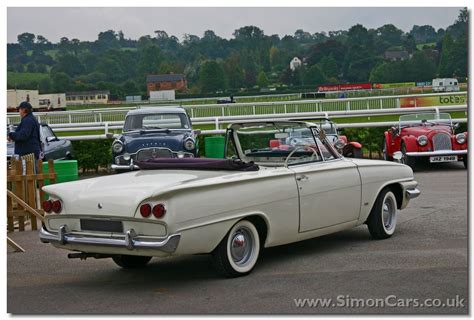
(52, 145)
(329, 192)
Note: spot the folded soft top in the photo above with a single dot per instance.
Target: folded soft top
(197, 164)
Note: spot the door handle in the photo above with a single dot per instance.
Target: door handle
(302, 178)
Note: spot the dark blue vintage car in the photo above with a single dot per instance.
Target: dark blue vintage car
(154, 132)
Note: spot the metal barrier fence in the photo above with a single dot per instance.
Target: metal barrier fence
(237, 109)
(220, 121)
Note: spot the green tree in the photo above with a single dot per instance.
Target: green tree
(262, 80)
(69, 64)
(422, 67)
(62, 82)
(446, 60)
(212, 77)
(150, 58)
(130, 88)
(26, 40)
(234, 72)
(328, 66)
(461, 25)
(314, 76)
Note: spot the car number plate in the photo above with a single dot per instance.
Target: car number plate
(101, 225)
(443, 158)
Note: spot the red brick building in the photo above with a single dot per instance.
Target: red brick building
(157, 82)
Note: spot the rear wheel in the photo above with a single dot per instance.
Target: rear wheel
(383, 217)
(409, 161)
(131, 262)
(238, 252)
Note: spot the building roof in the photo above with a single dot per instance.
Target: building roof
(164, 77)
(396, 54)
(86, 93)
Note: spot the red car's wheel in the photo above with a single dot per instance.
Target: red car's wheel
(409, 161)
(465, 161)
(386, 157)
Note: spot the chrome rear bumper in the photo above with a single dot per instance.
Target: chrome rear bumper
(129, 241)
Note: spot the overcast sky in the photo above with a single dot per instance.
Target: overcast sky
(86, 23)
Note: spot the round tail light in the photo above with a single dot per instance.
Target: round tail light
(145, 210)
(159, 211)
(56, 206)
(47, 206)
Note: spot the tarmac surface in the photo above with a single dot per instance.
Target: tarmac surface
(427, 258)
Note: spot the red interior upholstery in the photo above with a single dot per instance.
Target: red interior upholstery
(274, 143)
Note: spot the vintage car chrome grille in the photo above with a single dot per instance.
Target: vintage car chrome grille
(151, 153)
(442, 141)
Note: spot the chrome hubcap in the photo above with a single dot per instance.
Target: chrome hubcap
(241, 246)
(388, 213)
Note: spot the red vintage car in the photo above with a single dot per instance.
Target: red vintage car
(425, 136)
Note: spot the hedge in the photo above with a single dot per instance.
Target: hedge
(93, 154)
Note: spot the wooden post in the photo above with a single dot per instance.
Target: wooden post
(52, 179)
(31, 189)
(10, 225)
(14, 245)
(40, 182)
(20, 191)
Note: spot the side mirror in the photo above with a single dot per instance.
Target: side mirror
(197, 131)
(456, 126)
(50, 138)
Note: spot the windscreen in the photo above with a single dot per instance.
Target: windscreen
(276, 143)
(425, 118)
(156, 121)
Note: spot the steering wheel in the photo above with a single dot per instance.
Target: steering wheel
(315, 153)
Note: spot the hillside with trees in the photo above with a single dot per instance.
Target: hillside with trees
(247, 62)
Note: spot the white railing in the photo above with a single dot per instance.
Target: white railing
(219, 121)
(241, 109)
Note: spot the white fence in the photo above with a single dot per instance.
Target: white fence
(241, 109)
(220, 121)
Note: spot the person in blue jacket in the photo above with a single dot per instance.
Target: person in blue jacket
(27, 134)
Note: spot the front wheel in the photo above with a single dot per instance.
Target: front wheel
(131, 262)
(383, 217)
(465, 161)
(238, 252)
(409, 161)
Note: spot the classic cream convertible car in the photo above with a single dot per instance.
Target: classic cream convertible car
(264, 194)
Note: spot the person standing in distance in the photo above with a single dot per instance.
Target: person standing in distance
(27, 134)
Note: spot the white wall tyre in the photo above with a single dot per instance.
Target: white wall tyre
(382, 220)
(238, 252)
